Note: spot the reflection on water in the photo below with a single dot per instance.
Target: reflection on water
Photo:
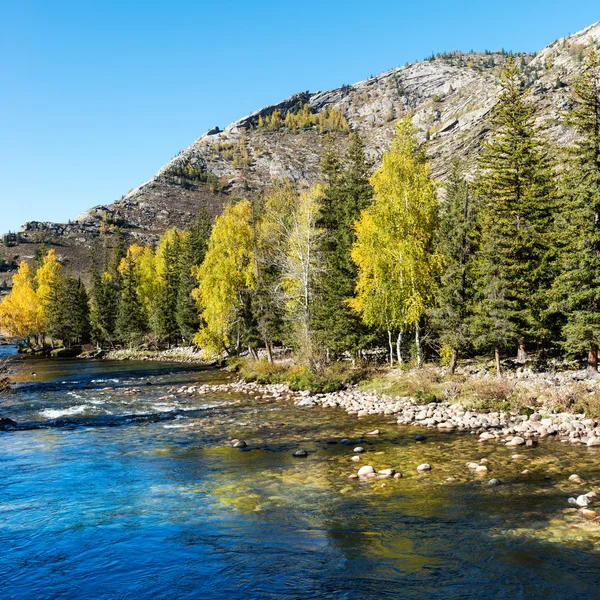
(102, 502)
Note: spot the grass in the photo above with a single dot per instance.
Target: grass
(425, 384)
(331, 378)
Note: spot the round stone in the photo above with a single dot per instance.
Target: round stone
(240, 444)
(300, 454)
(366, 470)
(424, 467)
(359, 449)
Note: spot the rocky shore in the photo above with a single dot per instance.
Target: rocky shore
(506, 428)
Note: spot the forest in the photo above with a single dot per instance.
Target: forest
(503, 259)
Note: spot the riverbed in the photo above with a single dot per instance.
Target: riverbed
(127, 489)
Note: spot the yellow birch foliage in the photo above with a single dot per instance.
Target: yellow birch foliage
(48, 279)
(227, 272)
(393, 249)
(20, 311)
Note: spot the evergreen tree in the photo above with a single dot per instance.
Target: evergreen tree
(515, 187)
(131, 323)
(456, 243)
(347, 192)
(168, 269)
(77, 311)
(577, 287)
(192, 254)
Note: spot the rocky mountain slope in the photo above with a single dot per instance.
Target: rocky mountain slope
(448, 97)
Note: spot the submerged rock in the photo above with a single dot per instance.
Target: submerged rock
(424, 467)
(240, 444)
(300, 454)
(359, 450)
(7, 424)
(575, 478)
(420, 437)
(374, 432)
(494, 482)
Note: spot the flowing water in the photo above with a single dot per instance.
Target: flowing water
(118, 492)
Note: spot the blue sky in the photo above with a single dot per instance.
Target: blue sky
(97, 96)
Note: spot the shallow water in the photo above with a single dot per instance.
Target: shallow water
(123, 494)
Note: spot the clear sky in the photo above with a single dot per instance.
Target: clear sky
(96, 96)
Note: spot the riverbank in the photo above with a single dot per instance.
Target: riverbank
(184, 355)
(508, 428)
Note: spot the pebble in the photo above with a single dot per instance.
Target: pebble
(397, 475)
(355, 458)
(240, 444)
(345, 441)
(420, 437)
(588, 513)
(575, 478)
(424, 467)
(450, 479)
(481, 469)
(526, 472)
(494, 482)
(374, 432)
(359, 450)
(473, 465)
(300, 454)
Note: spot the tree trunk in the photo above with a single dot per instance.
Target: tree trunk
(391, 348)
(418, 345)
(399, 348)
(269, 352)
(497, 357)
(521, 353)
(453, 361)
(252, 352)
(593, 358)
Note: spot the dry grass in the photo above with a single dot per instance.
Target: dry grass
(487, 393)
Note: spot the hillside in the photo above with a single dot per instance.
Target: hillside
(448, 97)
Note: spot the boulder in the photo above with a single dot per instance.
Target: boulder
(366, 470)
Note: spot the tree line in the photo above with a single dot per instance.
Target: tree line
(503, 259)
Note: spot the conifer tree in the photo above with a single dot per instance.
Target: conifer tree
(193, 252)
(77, 312)
(577, 288)
(456, 241)
(168, 269)
(131, 324)
(515, 188)
(346, 193)
(394, 242)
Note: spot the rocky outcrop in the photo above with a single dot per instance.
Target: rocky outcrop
(448, 97)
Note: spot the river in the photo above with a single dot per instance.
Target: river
(124, 492)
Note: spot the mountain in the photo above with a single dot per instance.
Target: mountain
(448, 97)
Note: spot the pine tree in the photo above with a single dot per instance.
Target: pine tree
(516, 190)
(131, 323)
(192, 254)
(394, 242)
(347, 192)
(456, 241)
(77, 312)
(168, 269)
(577, 288)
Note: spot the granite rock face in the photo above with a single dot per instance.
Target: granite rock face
(447, 96)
